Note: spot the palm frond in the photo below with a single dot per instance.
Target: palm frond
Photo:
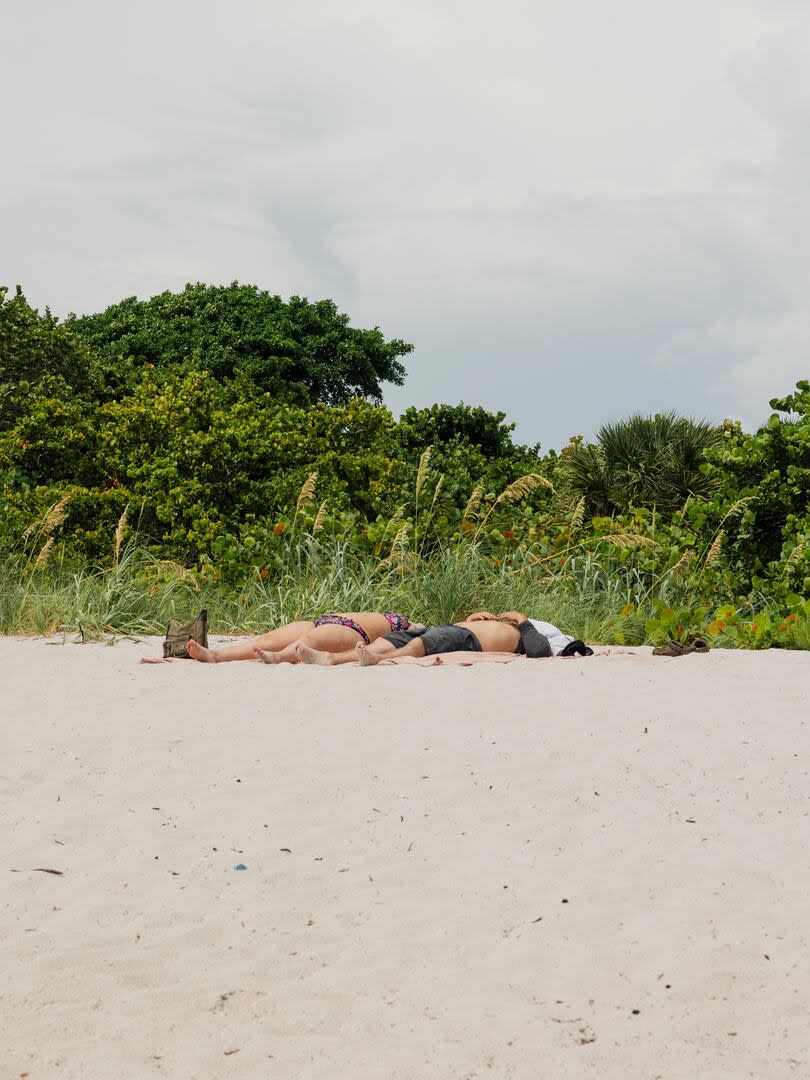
(587, 473)
(643, 461)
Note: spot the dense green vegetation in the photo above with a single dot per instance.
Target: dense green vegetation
(296, 351)
(225, 446)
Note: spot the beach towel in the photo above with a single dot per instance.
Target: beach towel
(469, 659)
(454, 659)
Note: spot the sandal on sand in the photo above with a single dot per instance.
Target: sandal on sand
(674, 648)
(179, 634)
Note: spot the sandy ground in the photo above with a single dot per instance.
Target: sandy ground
(594, 868)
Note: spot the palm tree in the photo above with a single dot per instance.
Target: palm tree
(652, 461)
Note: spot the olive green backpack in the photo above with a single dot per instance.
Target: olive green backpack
(179, 634)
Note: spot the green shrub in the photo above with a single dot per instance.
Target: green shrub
(762, 505)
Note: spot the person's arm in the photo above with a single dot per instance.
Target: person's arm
(510, 616)
(535, 644)
(480, 616)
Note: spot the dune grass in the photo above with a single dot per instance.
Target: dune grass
(139, 593)
(601, 593)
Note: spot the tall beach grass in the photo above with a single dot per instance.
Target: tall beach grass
(591, 592)
(138, 593)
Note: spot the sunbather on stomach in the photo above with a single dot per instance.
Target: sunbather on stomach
(328, 633)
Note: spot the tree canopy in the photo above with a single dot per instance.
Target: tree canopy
(191, 416)
(33, 348)
(296, 350)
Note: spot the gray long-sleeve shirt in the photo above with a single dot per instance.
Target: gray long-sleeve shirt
(532, 642)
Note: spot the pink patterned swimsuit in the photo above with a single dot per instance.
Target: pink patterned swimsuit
(395, 621)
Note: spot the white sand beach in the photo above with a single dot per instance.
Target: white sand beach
(585, 868)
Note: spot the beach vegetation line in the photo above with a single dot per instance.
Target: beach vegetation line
(221, 447)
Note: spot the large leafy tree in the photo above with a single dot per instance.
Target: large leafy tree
(297, 351)
(34, 350)
(194, 413)
(642, 461)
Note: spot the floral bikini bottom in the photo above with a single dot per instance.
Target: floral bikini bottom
(395, 621)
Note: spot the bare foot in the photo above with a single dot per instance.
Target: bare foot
(267, 657)
(365, 657)
(308, 655)
(205, 656)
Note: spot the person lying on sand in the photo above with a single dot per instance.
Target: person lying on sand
(509, 632)
(561, 644)
(327, 634)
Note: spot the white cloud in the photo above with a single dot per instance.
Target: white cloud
(574, 209)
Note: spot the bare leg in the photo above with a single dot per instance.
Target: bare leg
(273, 641)
(308, 655)
(284, 656)
(329, 639)
(368, 656)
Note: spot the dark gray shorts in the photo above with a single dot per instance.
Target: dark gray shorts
(438, 639)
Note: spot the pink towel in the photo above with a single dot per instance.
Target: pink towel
(456, 659)
(467, 659)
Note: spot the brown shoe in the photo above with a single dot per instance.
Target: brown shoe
(672, 648)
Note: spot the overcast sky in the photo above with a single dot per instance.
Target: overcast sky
(574, 209)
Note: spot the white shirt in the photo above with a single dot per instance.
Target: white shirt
(556, 638)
